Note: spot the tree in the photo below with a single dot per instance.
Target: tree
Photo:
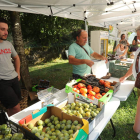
(18, 44)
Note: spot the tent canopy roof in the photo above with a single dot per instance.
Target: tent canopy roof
(124, 14)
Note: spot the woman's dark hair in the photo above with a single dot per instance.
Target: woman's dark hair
(77, 33)
(122, 35)
(135, 38)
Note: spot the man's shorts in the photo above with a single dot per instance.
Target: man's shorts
(10, 93)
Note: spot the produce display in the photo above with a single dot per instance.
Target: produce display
(5, 134)
(96, 90)
(54, 129)
(81, 110)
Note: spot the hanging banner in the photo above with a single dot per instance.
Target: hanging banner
(113, 32)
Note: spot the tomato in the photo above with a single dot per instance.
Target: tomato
(102, 82)
(84, 94)
(89, 87)
(89, 96)
(98, 96)
(83, 90)
(92, 97)
(92, 93)
(75, 86)
(89, 90)
(103, 94)
(107, 82)
(76, 90)
(81, 85)
(96, 89)
(107, 85)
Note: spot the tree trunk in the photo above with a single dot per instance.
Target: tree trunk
(18, 44)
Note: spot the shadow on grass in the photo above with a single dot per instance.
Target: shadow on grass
(58, 74)
(123, 132)
(123, 121)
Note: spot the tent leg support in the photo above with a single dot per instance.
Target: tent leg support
(99, 138)
(134, 93)
(113, 128)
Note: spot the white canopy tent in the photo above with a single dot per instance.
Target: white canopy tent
(124, 14)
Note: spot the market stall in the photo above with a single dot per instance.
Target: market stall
(97, 126)
(87, 11)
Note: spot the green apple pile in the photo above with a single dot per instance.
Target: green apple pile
(5, 134)
(54, 129)
(81, 110)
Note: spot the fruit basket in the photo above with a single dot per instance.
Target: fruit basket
(50, 122)
(91, 112)
(9, 130)
(92, 89)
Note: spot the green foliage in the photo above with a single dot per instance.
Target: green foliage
(48, 31)
(129, 33)
(53, 32)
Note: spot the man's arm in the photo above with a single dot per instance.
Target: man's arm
(98, 56)
(75, 61)
(17, 65)
(129, 73)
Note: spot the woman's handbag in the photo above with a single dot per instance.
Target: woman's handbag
(137, 82)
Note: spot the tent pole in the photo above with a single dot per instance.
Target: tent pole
(86, 27)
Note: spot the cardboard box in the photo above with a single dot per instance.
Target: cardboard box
(92, 123)
(49, 110)
(104, 99)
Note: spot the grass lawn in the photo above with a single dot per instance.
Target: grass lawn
(58, 73)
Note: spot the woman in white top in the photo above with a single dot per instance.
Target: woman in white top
(121, 51)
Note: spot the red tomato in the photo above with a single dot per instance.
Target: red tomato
(107, 85)
(75, 86)
(102, 82)
(89, 87)
(89, 96)
(103, 94)
(92, 97)
(98, 96)
(89, 90)
(107, 82)
(96, 89)
(81, 85)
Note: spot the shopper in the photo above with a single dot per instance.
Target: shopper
(121, 51)
(79, 55)
(135, 43)
(10, 93)
(135, 69)
(123, 40)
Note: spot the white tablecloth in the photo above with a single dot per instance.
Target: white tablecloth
(110, 109)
